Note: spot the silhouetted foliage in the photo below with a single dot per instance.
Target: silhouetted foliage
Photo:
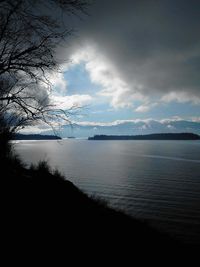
(5, 136)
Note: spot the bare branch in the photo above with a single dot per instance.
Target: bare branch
(29, 36)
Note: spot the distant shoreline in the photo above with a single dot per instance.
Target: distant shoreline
(158, 136)
(35, 137)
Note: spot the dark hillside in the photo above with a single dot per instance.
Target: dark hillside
(43, 208)
(42, 205)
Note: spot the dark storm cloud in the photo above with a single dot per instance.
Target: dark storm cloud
(154, 45)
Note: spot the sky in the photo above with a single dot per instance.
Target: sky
(132, 60)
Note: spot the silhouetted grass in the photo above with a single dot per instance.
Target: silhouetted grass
(40, 204)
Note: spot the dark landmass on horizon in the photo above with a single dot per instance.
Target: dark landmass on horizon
(157, 136)
(35, 137)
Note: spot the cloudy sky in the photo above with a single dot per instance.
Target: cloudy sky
(133, 59)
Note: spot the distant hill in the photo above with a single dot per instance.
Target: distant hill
(160, 136)
(35, 137)
(129, 127)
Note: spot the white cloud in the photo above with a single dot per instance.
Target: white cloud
(134, 54)
(142, 108)
(145, 107)
(195, 119)
(67, 102)
(170, 127)
(102, 72)
(113, 123)
(144, 125)
(58, 81)
(116, 88)
(147, 122)
(174, 118)
(180, 97)
(128, 78)
(37, 129)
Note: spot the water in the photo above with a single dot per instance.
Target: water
(154, 180)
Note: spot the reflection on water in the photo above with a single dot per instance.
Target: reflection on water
(155, 180)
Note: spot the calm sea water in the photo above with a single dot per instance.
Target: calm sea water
(154, 180)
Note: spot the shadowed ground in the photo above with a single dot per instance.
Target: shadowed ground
(42, 206)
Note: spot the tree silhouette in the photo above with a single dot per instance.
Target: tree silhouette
(29, 36)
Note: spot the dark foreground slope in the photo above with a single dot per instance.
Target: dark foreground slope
(42, 206)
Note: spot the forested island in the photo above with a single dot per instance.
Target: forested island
(18, 136)
(158, 136)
